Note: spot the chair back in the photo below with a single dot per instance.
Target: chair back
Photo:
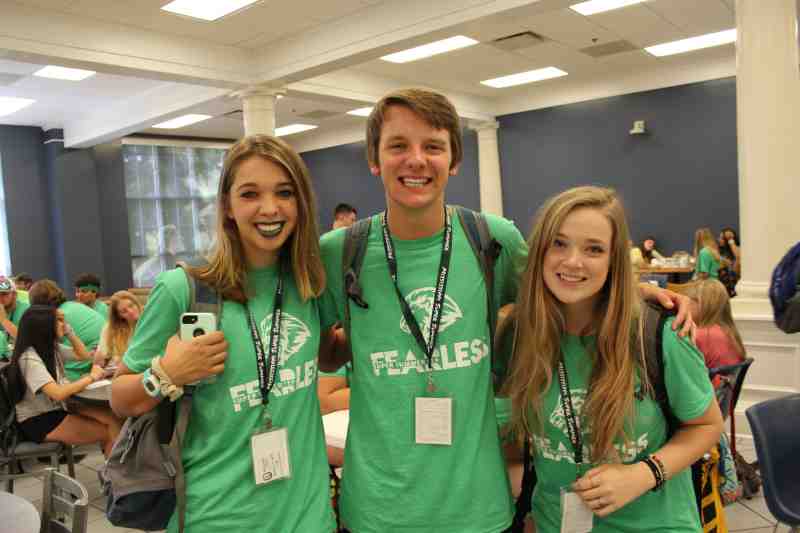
(774, 425)
(680, 288)
(64, 497)
(730, 385)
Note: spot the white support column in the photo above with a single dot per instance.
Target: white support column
(491, 187)
(768, 111)
(258, 109)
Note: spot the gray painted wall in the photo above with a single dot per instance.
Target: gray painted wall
(680, 176)
(341, 174)
(27, 200)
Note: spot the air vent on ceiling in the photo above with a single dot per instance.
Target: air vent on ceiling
(516, 41)
(608, 49)
(319, 114)
(8, 79)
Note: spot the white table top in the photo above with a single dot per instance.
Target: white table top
(335, 424)
(97, 391)
(19, 515)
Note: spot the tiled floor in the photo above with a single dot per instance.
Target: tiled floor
(749, 515)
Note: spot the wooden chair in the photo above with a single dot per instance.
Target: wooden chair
(64, 497)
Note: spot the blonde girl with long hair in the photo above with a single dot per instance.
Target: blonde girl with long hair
(717, 336)
(578, 307)
(706, 253)
(124, 310)
(266, 268)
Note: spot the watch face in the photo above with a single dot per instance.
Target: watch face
(150, 386)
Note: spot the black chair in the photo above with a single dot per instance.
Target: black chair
(775, 424)
(732, 379)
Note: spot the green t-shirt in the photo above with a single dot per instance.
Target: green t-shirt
(101, 308)
(707, 264)
(23, 296)
(5, 338)
(87, 325)
(391, 483)
(343, 371)
(222, 494)
(671, 509)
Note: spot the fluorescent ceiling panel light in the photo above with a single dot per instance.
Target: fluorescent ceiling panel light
(693, 43)
(598, 6)
(293, 128)
(525, 77)
(430, 49)
(206, 9)
(64, 73)
(180, 122)
(360, 112)
(10, 105)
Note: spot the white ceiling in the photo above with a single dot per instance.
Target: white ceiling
(565, 33)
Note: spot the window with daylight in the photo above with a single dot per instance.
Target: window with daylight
(171, 211)
(5, 252)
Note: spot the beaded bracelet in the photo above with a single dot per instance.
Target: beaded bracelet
(659, 477)
(660, 465)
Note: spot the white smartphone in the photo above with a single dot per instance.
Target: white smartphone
(196, 324)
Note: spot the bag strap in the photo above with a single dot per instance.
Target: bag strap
(355, 248)
(529, 479)
(653, 318)
(202, 299)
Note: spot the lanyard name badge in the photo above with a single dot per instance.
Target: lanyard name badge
(433, 413)
(576, 516)
(269, 444)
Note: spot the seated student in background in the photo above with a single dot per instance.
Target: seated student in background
(731, 256)
(123, 314)
(86, 322)
(37, 374)
(717, 336)
(706, 253)
(11, 310)
(574, 373)
(87, 288)
(23, 282)
(344, 216)
(644, 254)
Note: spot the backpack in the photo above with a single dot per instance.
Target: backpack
(784, 293)
(486, 248)
(9, 430)
(143, 476)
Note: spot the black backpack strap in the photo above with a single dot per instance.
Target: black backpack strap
(653, 318)
(529, 479)
(355, 248)
(487, 249)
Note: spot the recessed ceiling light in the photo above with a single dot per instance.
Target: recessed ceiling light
(693, 43)
(598, 6)
(525, 77)
(206, 9)
(293, 128)
(64, 73)
(360, 112)
(10, 105)
(430, 49)
(180, 122)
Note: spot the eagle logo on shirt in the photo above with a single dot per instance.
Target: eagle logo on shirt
(557, 417)
(421, 303)
(294, 335)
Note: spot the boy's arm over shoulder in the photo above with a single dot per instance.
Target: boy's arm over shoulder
(513, 257)
(160, 319)
(685, 375)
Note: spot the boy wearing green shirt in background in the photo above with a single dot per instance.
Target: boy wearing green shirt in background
(11, 310)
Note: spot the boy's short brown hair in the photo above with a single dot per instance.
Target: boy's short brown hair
(433, 108)
(46, 292)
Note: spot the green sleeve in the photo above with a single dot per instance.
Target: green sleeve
(159, 321)
(704, 261)
(685, 376)
(331, 303)
(512, 260)
(341, 372)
